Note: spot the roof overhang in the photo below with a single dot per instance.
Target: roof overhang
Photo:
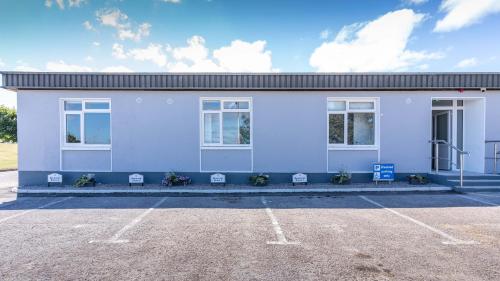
(249, 81)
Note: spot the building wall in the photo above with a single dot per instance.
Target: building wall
(159, 131)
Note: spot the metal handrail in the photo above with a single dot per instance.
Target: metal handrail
(495, 154)
(437, 142)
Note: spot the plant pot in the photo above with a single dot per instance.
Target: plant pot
(415, 181)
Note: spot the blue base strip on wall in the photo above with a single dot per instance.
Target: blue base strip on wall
(32, 178)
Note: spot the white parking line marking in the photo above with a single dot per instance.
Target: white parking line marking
(115, 239)
(37, 208)
(276, 226)
(479, 200)
(451, 240)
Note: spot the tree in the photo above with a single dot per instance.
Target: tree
(8, 124)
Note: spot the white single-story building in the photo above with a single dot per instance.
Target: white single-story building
(115, 124)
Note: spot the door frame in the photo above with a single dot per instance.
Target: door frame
(482, 99)
(449, 139)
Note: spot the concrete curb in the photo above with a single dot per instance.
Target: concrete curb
(208, 192)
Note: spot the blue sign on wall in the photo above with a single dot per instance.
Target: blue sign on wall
(383, 172)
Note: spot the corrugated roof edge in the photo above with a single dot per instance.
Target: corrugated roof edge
(250, 81)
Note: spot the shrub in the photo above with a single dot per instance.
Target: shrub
(8, 124)
(259, 180)
(171, 179)
(85, 180)
(343, 177)
(417, 179)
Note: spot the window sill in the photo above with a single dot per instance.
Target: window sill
(90, 148)
(225, 147)
(368, 148)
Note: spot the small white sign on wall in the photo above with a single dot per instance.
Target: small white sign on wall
(136, 179)
(218, 179)
(54, 178)
(299, 178)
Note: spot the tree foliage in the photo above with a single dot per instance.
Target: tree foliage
(8, 124)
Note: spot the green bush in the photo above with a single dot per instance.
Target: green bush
(8, 124)
(259, 180)
(343, 177)
(84, 180)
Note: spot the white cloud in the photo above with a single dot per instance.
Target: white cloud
(61, 66)
(89, 58)
(142, 31)
(88, 25)
(153, 53)
(8, 98)
(2, 64)
(172, 1)
(243, 56)
(23, 66)
(462, 13)
(416, 2)
(379, 45)
(324, 34)
(118, 51)
(239, 56)
(61, 5)
(116, 19)
(96, 44)
(465, 63)
(195, 50)
(118, 68)
(26, 68)
(76, 3)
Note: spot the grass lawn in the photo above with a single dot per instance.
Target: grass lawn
(8, 156)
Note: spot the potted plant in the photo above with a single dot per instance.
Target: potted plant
(259, 180)
(343, 177)
(84, 180)
(171, 179)
(417, 180)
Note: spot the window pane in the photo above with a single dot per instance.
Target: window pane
(97, 105)
(460, 103)
(211, 105)
(361, 129)
(236, 127)
(211, 123)
(336, 105)
(236, 105)
(73, 128)
(336, 128)
(72, 105)
(361, 105)
(97, 128)
(442, 103)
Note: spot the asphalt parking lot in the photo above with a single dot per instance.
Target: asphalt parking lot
(443, 236)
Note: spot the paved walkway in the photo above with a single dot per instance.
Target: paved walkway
(228, 189)
(8, 180)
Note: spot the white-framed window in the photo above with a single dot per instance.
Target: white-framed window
(226, 122)
(86, 122)
(352, 123)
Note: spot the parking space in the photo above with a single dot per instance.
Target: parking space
(364, 237)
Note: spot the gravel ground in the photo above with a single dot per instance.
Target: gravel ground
(367, 237)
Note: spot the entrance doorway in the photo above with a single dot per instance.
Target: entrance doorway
(458, 123)
(448, 128)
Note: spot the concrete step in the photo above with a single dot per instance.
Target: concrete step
(476, 182)
(479, 177)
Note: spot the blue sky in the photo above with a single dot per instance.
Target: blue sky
(254, 36)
